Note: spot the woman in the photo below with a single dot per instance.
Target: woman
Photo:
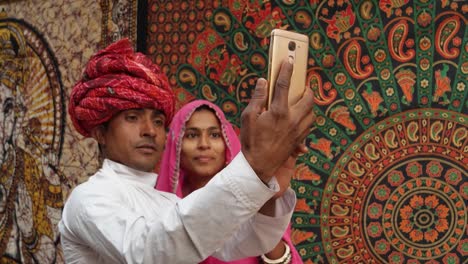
(200, 143)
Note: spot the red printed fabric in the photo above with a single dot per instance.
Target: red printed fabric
(115, 79)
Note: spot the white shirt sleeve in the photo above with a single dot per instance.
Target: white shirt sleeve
(221, 217)
(260, 233)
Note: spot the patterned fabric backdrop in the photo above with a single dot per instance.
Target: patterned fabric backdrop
(43, 48)
(385, 180)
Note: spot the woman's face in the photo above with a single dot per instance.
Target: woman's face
(203, 148)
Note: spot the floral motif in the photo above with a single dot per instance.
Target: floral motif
(424, 218)
(390, 91)
(313, 159)
(382, 246)
(424, 19)
(395, 178)
(464, 190)
(358, 108)
(414, 169)
(382, 192)
(328, 61)
(424, 83)
(374, 229)
(374, 211)
(373, 34)
(463, 247)
(453, 176)
(434, 169)
(451, 258)
(396, 258)
(301, 190)
(461, 86)
(457, 41)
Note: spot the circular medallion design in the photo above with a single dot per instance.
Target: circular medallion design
(398, 194)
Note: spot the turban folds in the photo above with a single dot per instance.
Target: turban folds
(116, 79)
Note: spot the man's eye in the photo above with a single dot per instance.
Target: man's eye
(131, 117)
(159, 122)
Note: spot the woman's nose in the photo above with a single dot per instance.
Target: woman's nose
(204, 142)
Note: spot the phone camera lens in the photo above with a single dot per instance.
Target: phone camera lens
(292, 46)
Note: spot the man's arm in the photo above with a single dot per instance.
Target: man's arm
(184, 232)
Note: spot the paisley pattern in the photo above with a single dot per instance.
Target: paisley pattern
(385, 180)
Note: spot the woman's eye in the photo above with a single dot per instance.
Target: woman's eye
(191, 135)
(216, 135)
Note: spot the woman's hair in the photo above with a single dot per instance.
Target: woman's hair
(205, 107)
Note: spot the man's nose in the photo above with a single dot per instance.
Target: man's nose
(148, 128)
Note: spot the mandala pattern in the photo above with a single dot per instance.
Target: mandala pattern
(398, 193)
(385, 180)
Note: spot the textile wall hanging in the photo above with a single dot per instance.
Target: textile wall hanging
(44, 46)
(385, 180)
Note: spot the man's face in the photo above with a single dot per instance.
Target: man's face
(134, 138)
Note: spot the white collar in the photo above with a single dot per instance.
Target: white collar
(126, 173)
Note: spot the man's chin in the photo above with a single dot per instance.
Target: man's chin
(146, 165)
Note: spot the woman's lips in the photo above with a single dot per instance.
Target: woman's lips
(203, 159)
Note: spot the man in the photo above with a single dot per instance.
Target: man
(125, 103)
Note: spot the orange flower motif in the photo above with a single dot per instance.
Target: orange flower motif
(414, 218)
(416, 235)
(406, 226)
(431, 235)
(442, 211)
(442, 225)
(416, 202)
(431, 201)
(406, 212)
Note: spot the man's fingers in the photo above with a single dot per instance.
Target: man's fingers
(304, 125)
(305, 105)
(280, 95)
(254, 108)
(300, 149)
(259, 97)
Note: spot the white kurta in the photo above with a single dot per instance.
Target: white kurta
(118, 217)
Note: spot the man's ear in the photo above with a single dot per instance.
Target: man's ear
(98, 134)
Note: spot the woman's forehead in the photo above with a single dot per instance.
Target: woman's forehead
(203, 119)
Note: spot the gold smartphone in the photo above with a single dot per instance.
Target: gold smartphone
(284, 44)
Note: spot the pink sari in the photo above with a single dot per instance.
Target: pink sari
(171, 176)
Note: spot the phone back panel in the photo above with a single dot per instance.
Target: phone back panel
(279, 50)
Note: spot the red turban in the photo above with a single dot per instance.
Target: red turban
(115, 79)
